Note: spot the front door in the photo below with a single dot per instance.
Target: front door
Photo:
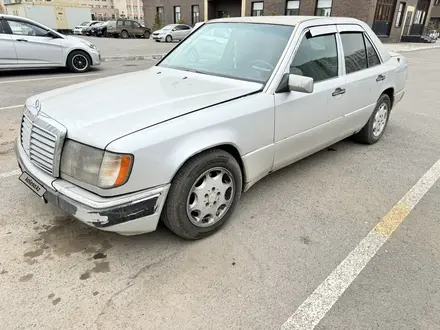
(138, 30)
(305, 123)
(33, 46)
(8, 56)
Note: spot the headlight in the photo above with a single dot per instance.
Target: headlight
(89, 44)
(94, 166)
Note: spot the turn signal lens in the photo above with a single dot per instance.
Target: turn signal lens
(115, 170)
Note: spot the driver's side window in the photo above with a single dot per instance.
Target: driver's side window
(317, 57)
(26, 29)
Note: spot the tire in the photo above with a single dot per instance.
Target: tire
(169, 38)
(177, 214)
(79, 61)
(124, 34)
(147, 35)
(380, 116)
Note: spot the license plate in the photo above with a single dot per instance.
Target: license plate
(32, 184)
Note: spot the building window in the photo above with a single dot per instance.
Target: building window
(292, 7)
(257, 8)
(195, 11)
(159, 12)
(323, 8)
(176, 14)
(399, 17)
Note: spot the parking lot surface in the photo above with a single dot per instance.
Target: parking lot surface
(289, 234)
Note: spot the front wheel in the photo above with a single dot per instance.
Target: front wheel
(79, 62)
(203, 195)
(375, 127)
(147, 35)
(169, 39)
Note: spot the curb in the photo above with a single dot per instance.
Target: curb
(152, 57)
(415, 49)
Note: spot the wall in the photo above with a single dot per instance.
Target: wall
(185, 10)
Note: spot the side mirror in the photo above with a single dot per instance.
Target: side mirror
(300, 84)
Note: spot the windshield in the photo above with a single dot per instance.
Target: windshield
(84, 23)
(242, 51)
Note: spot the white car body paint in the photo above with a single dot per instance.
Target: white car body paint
(164, 116)
(29, 51)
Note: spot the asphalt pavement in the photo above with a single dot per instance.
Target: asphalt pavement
(290, 234)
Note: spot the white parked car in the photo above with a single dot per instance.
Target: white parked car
(79, 29)
(172, 32)
(27, 44)
(182, 140)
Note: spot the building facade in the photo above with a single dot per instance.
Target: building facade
(435, 15)
(390, 19)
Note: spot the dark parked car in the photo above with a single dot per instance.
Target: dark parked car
(100, 30)
(125, 28)
(88, 29)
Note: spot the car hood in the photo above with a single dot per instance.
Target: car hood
(99, 111)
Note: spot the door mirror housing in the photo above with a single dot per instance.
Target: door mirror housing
(300, 84)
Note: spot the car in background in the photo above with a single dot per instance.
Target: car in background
(100, 30)
(182, 140)
(126, 28)
(87, 30)
(79, 29)
(172, 32)
(26, 44)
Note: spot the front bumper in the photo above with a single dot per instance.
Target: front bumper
(158, 37)
(131, 214)
(95, 54)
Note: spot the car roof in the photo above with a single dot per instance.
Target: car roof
(285, 20)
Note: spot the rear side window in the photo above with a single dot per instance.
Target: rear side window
(185, 27)
(317, 58)
(354, 51)
(373, 58)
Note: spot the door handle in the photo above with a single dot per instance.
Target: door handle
(380, 77)
(22, 40)
(338, 91)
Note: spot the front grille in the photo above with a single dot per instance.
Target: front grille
(42, 142)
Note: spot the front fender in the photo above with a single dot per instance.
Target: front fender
(160, 151)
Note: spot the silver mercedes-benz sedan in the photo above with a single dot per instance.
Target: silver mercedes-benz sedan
(26, 44)
(238, 99)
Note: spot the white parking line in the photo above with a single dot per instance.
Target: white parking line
(12, 107)
(316, 306)
(72, 76)
(8, 174)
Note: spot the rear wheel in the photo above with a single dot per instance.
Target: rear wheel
(124, 34)
(169, 39)
(79, 62)
(375, 127)
(203, 195)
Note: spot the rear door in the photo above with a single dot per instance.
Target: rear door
(32, 46)
(185, 30)
(364, 74)
(8, 56)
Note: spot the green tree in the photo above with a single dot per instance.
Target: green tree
(158, 24)
(181, 21)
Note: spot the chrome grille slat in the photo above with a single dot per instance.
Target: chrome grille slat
(43, 146)
(41, 161)
(47, 135)
(45, 157)
(37, 149)
(42, 139)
